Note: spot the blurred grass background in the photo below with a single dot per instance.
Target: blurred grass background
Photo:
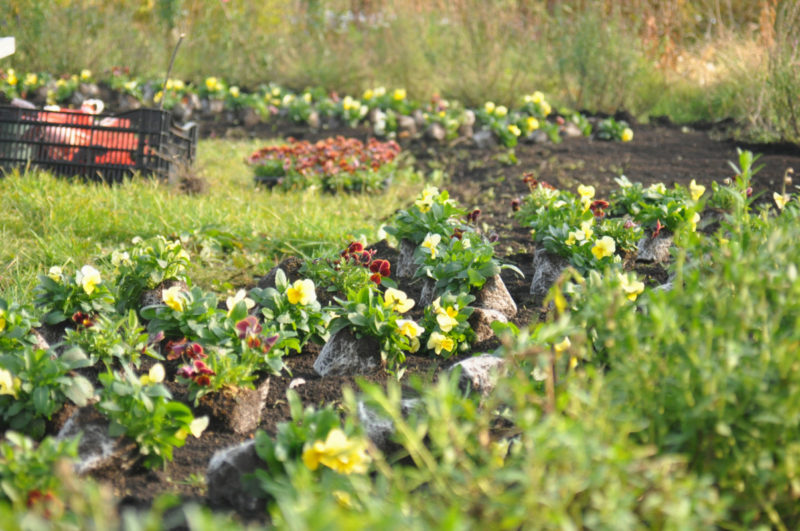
(690, 60)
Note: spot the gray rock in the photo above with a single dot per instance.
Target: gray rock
(181, 112)
(570, 130)
(380, 429)
(405, 266)
(537, 137)
(291, 268)
(436, 131)
(547, 267)
(248, 116)
(225, 478)
(484, 139)
(480, 373)
(237, 408)
(313, 120)
(481, 322)
(97, 450)
(126, 102)
(406, 126)
(495, 296)
(344, 354)
(419, 118)
(655, 250)
(428, 292)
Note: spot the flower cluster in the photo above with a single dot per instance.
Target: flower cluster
(337, 452)
(356, 254)
(334, 163)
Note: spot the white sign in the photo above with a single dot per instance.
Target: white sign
(6, 46)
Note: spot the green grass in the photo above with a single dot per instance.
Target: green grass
(46, 221)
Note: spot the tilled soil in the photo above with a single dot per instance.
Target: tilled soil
(487, 180)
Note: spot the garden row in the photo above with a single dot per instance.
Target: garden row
(389, 113)
(604, 333)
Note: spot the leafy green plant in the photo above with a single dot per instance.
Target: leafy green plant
(314, 437)
(447, 330)
(370, 313)
(656, 206)
(353, 268)
(34, 386)
(611, 129)
(146, 265)
(60, 295)
(27, 474)
(16, 324)
(191, 314)
(111, 339)
(433, 212)
(294, 310)
(140, 408)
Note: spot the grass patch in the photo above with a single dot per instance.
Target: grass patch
(47, 221)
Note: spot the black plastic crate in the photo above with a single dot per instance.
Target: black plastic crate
(96, 146)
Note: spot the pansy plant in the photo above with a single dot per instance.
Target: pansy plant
(433, 212)
(370, 313)
(61, 295)
(16, 326)
(446, 324)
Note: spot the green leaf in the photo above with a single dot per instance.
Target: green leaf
(41, 400)
(80, 391)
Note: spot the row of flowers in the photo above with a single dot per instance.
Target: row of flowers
(383, 107)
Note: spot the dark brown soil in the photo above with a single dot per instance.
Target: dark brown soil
(483, 179)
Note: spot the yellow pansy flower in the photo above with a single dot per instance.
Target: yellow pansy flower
(397, 300)
(307, 97)
(367, 95)
(430, 242)
(696, 190)
(586, 228)
(11, 77)
(563, 345)
(514, 130)
(500, 111)
(586, 191)
(627, 134)
(338, 453)
(446, 318)
(489, 107)
(55, 273)
(2, 319)
(546, 108)
(409, 328)
(88, 277)
(781, 199)
(657, 188)
(9, 385)
(212, 84)
(173, 297)
(234, 92)
(531, 123)
(302, 292)
(154, 375)
(439, 342)
(399, 94)
(86, 74)
(604, 247)
(31, 79)
(631, 287)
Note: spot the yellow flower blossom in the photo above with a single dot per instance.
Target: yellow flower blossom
(535, 97)
(234, 92)
(302, 292)
(307, 97)
(154, 375)
(489, 107)
(88, 277)
(586, 228)
(546, 108)
(781, 199)
(55, 273)
(213, 84)
(430, 242)
(397, 300)
(586, 191)
(11, 77)
(2, 319)
(9, 385)
(368, 94)
(631, 286)
(514, 130)
(337, 452)
(158, 95)
(563, 345)
(500, 111)
(31, 79)
(409, 329)
(173, 297)
(399, 94)
(446, 318)
(531, 123)
(694, 221)
(380, 91)
(627, 134)
(343, 499)
(604, 247)
(86, 75)
(425, 201)
(696, 190)
(439, 342)
(240, 296)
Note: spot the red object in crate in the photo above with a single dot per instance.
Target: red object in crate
(63, 142)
